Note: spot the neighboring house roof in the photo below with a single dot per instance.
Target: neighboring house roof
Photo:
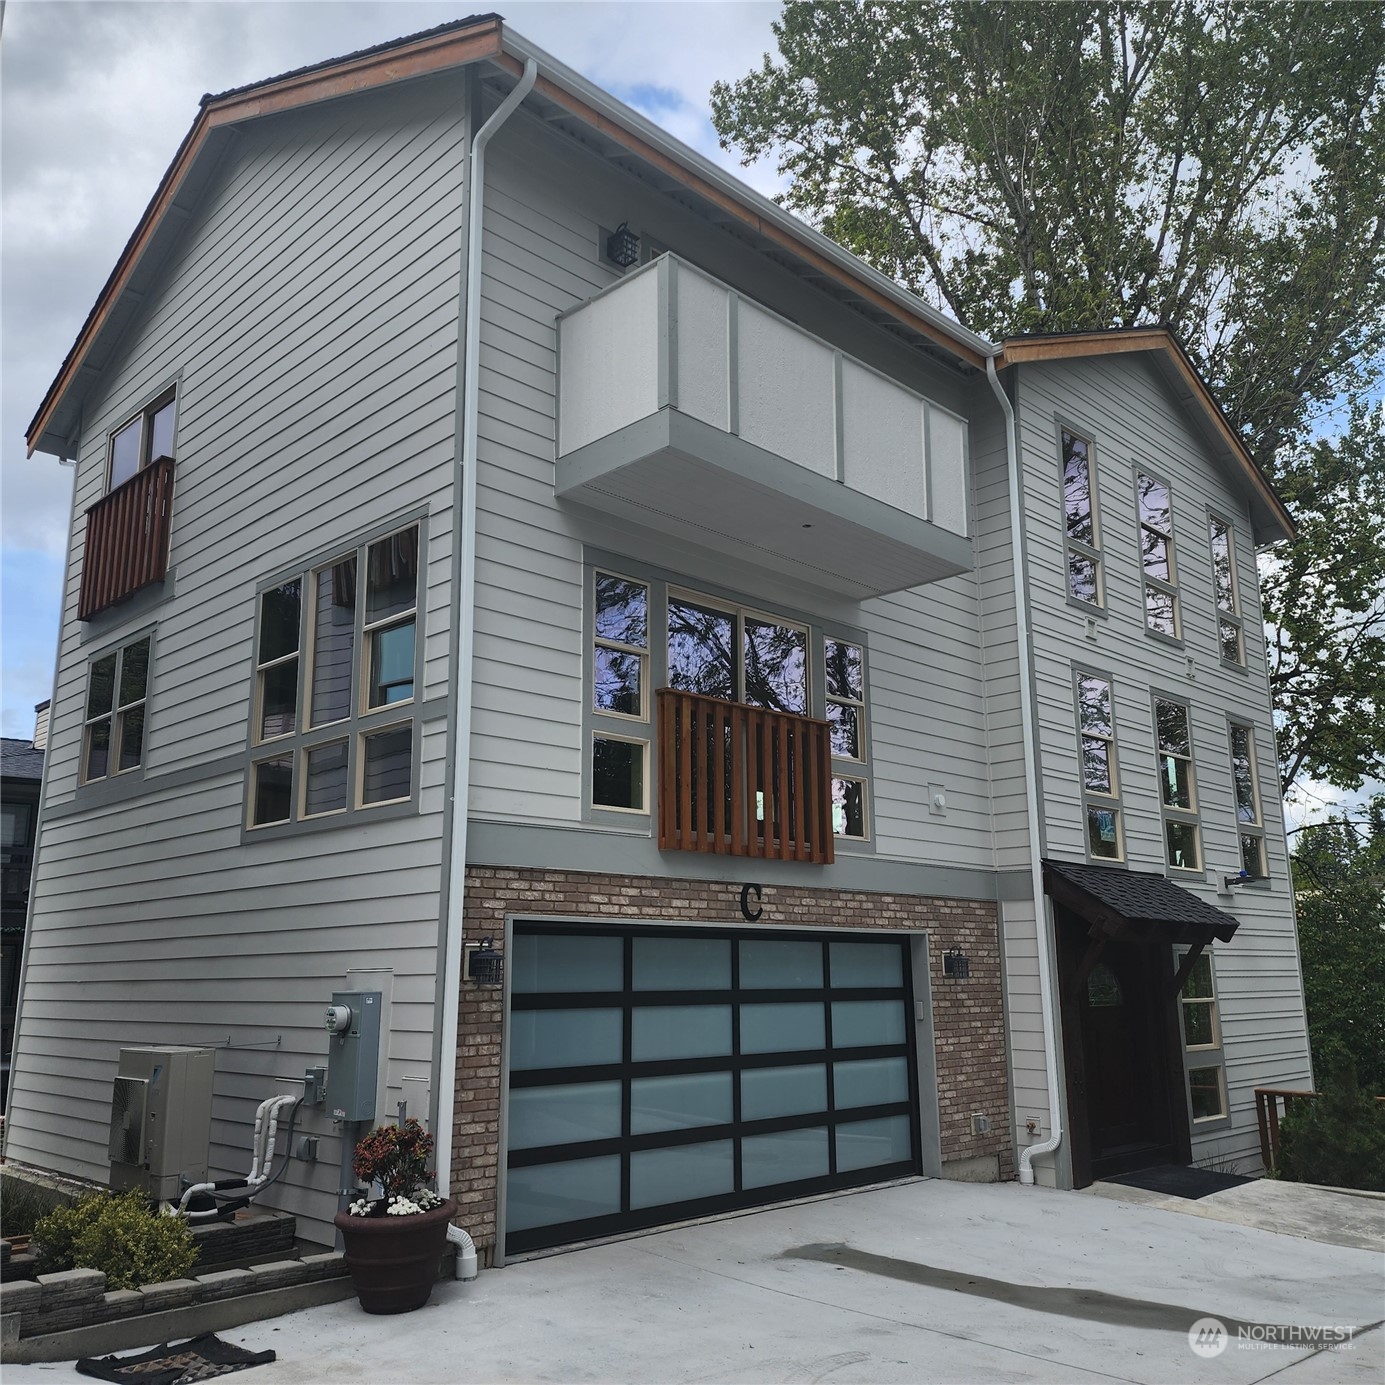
(1136, 902)
(1272, 519)
(19, 760)
(568, 101)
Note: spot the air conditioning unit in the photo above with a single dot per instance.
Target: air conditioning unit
(161, 1119)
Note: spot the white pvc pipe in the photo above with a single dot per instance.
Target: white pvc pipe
(1042, 928)
(464, 1266)
(466, 626)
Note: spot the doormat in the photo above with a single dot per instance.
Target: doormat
(201, 1358)
(1179, 1180)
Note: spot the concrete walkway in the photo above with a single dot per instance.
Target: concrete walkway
(927, 1281)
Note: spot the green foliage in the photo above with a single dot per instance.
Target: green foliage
(22, 1203)
(1338, 1138)
(1339, 893)
(395, 1156)
(1045, 167)
(119, 1235)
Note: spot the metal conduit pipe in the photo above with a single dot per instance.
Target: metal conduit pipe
(1042, 929)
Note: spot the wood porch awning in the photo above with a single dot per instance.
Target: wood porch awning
(1135, 906)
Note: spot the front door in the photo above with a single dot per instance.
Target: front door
(1117, 1012)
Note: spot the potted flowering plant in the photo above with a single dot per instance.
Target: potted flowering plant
(393, 1242)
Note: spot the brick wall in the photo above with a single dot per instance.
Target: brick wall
(968, 1017)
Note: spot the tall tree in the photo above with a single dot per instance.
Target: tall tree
(1036, 167)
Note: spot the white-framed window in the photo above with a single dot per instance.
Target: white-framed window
(117, 696)
(1096, 733)
(333, 713)
(1245, 780)
(1231, 637)
(1177, 784)
(142, 440)
(1157, 559)
(1081, 524)
(845, 683)
(1204, 1060)
(620, 700)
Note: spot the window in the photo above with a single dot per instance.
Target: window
(1177, 785)
(144, 439)
(336, 663)
(620, 694)
(1230, 632)
(1202, 1044)
(1162, 616)
(1096, 731)
(647, 633)
(117, 686)
(1083, 551)
(846, 712)
(1249, 825)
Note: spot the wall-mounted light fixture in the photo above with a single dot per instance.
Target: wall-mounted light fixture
(484, 965)
(956, 963)
(1242, 877)
(623, 246)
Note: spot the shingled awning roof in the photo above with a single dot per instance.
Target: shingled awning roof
(1135, 906)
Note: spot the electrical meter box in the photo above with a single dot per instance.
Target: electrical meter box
(353, 1054)
(161, 1119)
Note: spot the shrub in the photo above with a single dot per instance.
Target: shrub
(1338, 1138)
(118, 1235)
(395, 1157)
(22, 1204)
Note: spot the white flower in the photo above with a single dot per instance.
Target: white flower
(360, 1208)
(400, 1206)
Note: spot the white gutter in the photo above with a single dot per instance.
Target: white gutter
(1042, 925)
(620, 114)
(466, 625)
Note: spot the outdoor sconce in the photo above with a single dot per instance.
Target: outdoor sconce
(1242, 877)
(956, 963)
(484, 965)
(623, 246)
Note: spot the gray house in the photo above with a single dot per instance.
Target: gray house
(495, 522)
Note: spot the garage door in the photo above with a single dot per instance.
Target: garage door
(664, 1073)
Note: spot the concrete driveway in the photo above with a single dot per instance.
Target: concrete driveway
(926, 1281)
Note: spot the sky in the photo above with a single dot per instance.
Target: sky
(94, 101)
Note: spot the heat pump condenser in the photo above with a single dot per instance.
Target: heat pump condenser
(161, 1119)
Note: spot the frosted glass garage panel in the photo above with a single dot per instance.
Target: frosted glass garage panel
(784, 1157)
(562, 1115)
(947, 468)
(679, 1031)
(883, 440)
(682, 964)
(683, 1101)
(776, 964)
(869, 1144)
(564, 1038)
(543, 962)
(767, 1093)
(682, 1174)
(598, 393)
(549, 1193)
(870, 1082)
(866, 964)
(863, 1023)
(786, 390)
(782, 1028)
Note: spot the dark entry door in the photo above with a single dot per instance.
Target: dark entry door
(1116, 1017)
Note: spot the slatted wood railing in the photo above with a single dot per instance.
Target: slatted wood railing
(1268, 1116)
(743, 781)
(127, 539)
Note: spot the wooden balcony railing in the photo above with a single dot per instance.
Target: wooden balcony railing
(127, 539)
(1268, 1115)
(743, 781)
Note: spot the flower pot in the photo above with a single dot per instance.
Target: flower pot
(394, 1260)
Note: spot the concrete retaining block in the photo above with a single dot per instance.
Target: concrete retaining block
(172, 1293)
(71, 1286)
(224, 1283)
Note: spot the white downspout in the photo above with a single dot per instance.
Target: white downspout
(466, 625)
(1031, 794)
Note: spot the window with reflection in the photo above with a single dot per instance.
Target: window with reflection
(1177, 784)
(336, 664)
(1204, 1061)
(142, 441)
(1231, 641)
(1101, 805)
(620, 693)
(1250, 827)
(845, 675)
(117, 694)
(1080, 523)
(1162, 614)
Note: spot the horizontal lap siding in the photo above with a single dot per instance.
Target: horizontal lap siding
(927, 721)
(1133, 420)
(311, 308)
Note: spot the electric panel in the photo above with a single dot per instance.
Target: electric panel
(353, 1054)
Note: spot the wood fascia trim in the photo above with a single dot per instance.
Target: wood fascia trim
(1083, 344)
(434, 54)
(733, 207)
